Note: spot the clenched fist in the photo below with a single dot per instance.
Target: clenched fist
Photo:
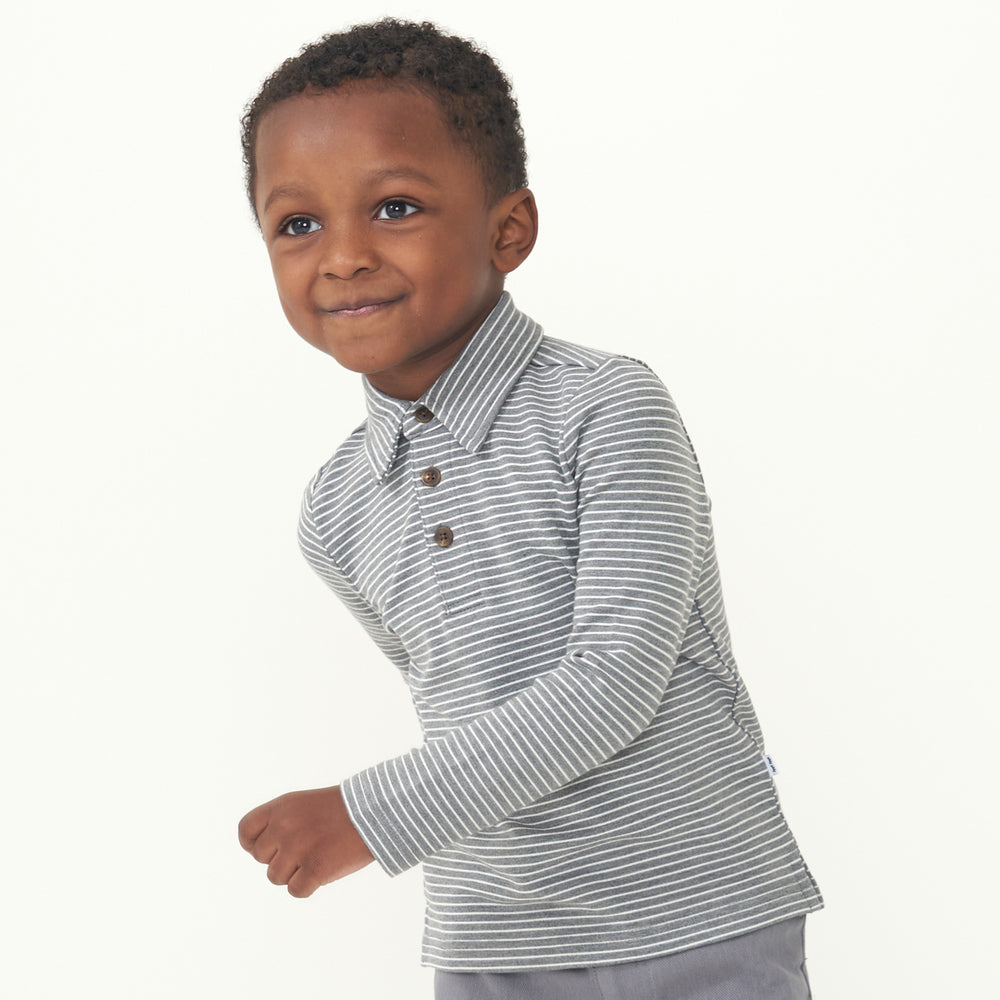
(306, 839)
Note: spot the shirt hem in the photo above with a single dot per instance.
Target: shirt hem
(653, 946)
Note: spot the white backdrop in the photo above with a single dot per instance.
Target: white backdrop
(789, 209)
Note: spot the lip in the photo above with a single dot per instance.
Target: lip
(360, 308)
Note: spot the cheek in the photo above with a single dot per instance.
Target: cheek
(294, 300)
(290, 281)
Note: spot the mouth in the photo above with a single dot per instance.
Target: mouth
(360, 308)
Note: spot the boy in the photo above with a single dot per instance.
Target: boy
(522, 528)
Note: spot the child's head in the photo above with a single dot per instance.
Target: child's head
(386, 171)
(473, 94)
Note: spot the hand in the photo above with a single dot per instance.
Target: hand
(306, 839)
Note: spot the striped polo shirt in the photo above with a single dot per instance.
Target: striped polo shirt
(530, 544)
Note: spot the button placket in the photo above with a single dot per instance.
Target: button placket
(440, 516)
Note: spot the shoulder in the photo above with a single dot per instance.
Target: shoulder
(591, 378)
(584, 375)
(346, 466)
(602, 402)
(562, 356)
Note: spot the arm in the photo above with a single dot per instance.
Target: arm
(643, 530)
(317, 557)
(307, 839)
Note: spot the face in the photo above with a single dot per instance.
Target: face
(381, 239)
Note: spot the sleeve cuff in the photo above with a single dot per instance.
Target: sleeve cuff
(389, 842)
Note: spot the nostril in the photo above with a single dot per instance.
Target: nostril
(346, 255)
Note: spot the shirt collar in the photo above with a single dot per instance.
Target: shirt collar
(468, 395)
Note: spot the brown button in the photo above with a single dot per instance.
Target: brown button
(431, 476)
(444, 536)
(423, 414)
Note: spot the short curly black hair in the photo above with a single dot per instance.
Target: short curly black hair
(474, 95)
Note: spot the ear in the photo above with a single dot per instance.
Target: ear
(516, 226)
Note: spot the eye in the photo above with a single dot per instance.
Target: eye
(299, 226)
(396, 209)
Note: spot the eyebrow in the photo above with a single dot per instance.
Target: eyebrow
(403, 173)
(283, 191)
(377, 176)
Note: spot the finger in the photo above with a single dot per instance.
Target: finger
(252, 826)
(264, 849)
(281, 868)
(302, 884)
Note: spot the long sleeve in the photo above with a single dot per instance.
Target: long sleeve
(590, 787)
(316, 555)
(642, 535)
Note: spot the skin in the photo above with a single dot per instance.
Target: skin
(388, 255)
(386, 251)
(306, 839)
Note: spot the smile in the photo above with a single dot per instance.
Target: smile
(350, 310)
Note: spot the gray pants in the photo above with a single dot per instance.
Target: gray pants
(768, 964)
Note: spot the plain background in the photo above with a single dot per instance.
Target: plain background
(789, 209)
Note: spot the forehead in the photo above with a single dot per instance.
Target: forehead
(357, 130)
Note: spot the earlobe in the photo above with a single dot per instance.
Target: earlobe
(517, 228)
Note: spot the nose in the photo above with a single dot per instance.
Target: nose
(347, 251)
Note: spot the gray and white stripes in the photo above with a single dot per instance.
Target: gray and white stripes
(591, 787)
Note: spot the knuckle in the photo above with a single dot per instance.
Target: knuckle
(264, 851)
(303, 882)
(251, 827)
